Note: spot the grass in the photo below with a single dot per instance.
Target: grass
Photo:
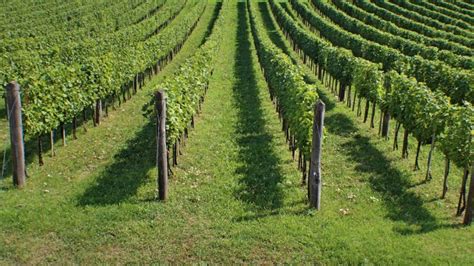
(235, 196)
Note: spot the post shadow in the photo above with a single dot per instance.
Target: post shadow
(393, 185)
(260, 170)
(121, 180)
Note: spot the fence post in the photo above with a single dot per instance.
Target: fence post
(16, 133)
(98, 111)
(161, 150)
(470, 200)
(315, 182)
(386, 124)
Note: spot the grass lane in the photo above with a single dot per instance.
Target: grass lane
(235, 195)
(74, 207)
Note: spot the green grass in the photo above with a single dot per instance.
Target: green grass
(235, 195)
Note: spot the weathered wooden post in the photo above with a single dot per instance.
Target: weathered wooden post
(161, 150)
(315, 182)
(98, 111)
(16, 133)
(342, 91)
(385, 124)
(470, 201)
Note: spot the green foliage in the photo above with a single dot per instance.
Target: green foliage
(407, 47)
(185, 88)
(389, 27)
(286, 82)
(422, 111)
(60, 81)
(369, 82)
(457, 139)
(432, 14)
(393, 13)
(456, 83)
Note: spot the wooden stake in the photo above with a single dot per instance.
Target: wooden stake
(98, 112)
(430, 157)
(405, 144)
(51, 141)
(40, 151)
(417, 165)
(386, 124)
(470, 200)
(395, 136)
(63, 134)
(161, 149)
(315, 182)
(354, 100)
(372, 125)
(366, 113)
(462, 193)
(342, 91)
(74, 126)
(446, 174)
(16, 133)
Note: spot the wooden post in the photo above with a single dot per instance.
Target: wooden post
(51, 142)
(446, 174)
(63, 134)
(98, 111)
(430, 156)
(40, 151)
(315, 182)
(470, 201)
(462, 193)
(405, 144)
(74, 126)
(385, 124)
(16, 133)
(366, 113)
(342, 91)
(161, 150)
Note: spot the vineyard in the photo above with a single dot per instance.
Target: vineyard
(237, 131)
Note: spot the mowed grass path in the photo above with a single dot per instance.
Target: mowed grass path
(235, 195)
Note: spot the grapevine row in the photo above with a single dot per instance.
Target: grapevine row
(452, 7)
(185, 89)
(17, 14)
(422, 19)
(387, 26)
(407, 47)
(38, 24)
(86, 25)
(56, 93)
(462, 4)
(436, 13)
(294, 98)
(455, 83)
(413, 25)
(33, 8)
(411, 103)
(82, 41)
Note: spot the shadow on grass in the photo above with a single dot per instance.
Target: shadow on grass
(402, 205)
(339, 124)
(327, 99)
(31, 143)
(277, 38)
(121, 180)
(272, 28)
(215, 14)
(260, 165)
